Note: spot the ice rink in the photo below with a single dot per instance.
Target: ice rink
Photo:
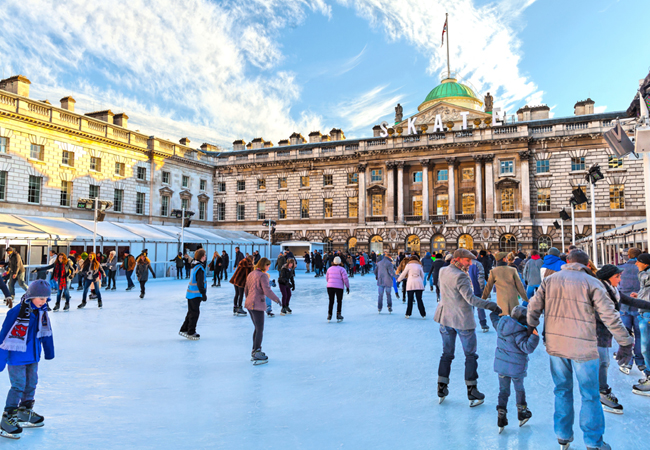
(123, 378)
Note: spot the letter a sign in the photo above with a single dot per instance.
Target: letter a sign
(618, 141)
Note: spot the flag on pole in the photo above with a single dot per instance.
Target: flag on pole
(444, 30)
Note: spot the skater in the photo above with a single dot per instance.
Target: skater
(384, 274)
(414, 276)
(225, 261)
(15, 272)
(307, 259)
(279, 263)
(630, 315)
(256, 290)
(610, 275)
(239, 256)
(398, 271)
(476, 273)
(508, 284)
(643, 264)
(178, 260)
(532, 274)
(187, 262)
(196, 293)
(128, 265)
(456, 318)
(142, 269)
(269, 302)
(215, 267)
(62, 273)
(26, 332)
(427, 266)
(239, 281)
(435, 272)
(552, 263)
(90, 272)
(287, 284)
(336, 278)
(569, 301)
(111, 268)
(514, 344)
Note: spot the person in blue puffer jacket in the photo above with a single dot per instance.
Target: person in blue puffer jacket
(514, 344)
(26, 332)
(427, 264)
(552, 263)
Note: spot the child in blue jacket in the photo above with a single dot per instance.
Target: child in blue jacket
(514, 344)
(25, 332)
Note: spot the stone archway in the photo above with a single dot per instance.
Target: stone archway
(413, 243)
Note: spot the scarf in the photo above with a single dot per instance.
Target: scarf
(16, 339)
(460, 266)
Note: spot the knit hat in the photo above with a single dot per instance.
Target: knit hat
(448, 257)
(553, 251)
(499, 256)
(519, 313)
(38, 288)
(337, 260)
(608, 271)
(644, 258)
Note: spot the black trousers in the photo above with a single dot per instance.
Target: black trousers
(192, 317)
(239, 296)
(142, 283)
(179, 273)
(418, 296)
(111, 277)
(258, 320)
(332, 292)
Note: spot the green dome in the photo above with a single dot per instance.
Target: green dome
(450, 88)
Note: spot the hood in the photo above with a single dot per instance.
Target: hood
(427, 255)
(535, 257)
(577, 267)
(195, 262)
(509, 326)
(553, 262)
(415, 262)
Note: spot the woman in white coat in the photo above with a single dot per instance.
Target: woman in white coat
(414, 275)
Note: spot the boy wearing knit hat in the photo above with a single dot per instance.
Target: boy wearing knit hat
(25, 332)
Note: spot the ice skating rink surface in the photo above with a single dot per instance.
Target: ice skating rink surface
(123, 378)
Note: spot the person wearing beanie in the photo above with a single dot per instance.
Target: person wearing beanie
(287, 284)
(552, 263)
(385, 275)
(532, 274)
(337, 279)
(514, 344)
(26, 332)
(643, 264)
(610, 275)
(15, 272)
(629, 314)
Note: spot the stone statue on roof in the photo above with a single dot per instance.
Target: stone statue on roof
(488, 103)
(398, 113)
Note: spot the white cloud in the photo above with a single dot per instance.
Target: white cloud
(600, 109)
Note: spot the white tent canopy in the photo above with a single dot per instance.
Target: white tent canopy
(60, 228)
(149, 233)
(12, 227)
(107, 231)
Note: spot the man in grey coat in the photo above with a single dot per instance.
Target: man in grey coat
(532, 274)
(569, 301)
(384, 274)
(455, 314)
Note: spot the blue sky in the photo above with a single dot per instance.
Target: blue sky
(220, 71)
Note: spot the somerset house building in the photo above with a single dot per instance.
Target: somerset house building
(452, 175)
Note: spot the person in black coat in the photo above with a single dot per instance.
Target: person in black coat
(188, 264)
(318, 264)
(238, 256)
(179, 265)
(225, 263)
(307, 261)
(485, 259)
(438, 264)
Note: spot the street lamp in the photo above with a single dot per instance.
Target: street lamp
(592, 177)
(271, 224)
(185, 222)
(99, 207)
(573, 202)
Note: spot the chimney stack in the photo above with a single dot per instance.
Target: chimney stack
(106, 115)
(17, 84)
(121, 120)
(68, 103)
(185, 141)
(315, 136)
(584, 107)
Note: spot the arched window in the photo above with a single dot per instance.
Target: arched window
(328, 247)
(377, 244)
(508, 243)
(544, 243)
(466, 241)
(438, 243)
(413, 244)
(352, 245)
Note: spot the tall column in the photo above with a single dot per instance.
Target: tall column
(451, 183)
(361, 213)
(425, 189)
(478, 180)
(489, 187)
(400, 192)
(390, 192)
(525, 183)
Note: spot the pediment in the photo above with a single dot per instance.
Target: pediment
(203, 198)
(507, 183)
(185, 194)
(376, 189)
(448, 112)
(165, 190)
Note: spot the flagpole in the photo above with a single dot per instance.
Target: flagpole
(447, 23)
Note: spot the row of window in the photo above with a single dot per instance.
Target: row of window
(185, 204)
(305, 181)
(577, 164)
(185, 181)
(328, 209)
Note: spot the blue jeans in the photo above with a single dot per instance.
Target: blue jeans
(268, 305)
(592, 419)
(66, 293)
(395, 285)
(4, 289)
(380, 298)
(87, 284)
(23, 385)
(429, 278)
(129, 273)
(603, 366)
(644, 328)
(481, 318)
(468, 341)
(631, 321)
(504, 390)
(530, 290)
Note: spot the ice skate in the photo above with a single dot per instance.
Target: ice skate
(625, 369)
(283, 312)
(329, 317)
(258, 357)
(56, 306)
(390, 310)
(66, 307)
(27, 418)
(9, 427)
(642, 368)
(565, 443)
(270, 314)
(193, 337)
(643, 388)
(610, 402)
(238, 312)
(605, 446)
(523, 414)
(502, 420)
(99, 304)
(81, 305)
(183, 333)
(443, 392)
(141, 295)
(289, 310)
(406, 317)
(339, 317)
(485, 329)
(474, 396)
(9, 301)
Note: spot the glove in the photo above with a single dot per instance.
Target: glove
(204, 298)
(347, 291)
(293, 288)
(494, 308)
(624, 354)
(531, 329)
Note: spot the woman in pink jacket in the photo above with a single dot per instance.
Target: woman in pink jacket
(414, 275)
(336, 278)
(256, 290)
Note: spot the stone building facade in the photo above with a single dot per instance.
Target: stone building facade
(52, 156)
(463, 179)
